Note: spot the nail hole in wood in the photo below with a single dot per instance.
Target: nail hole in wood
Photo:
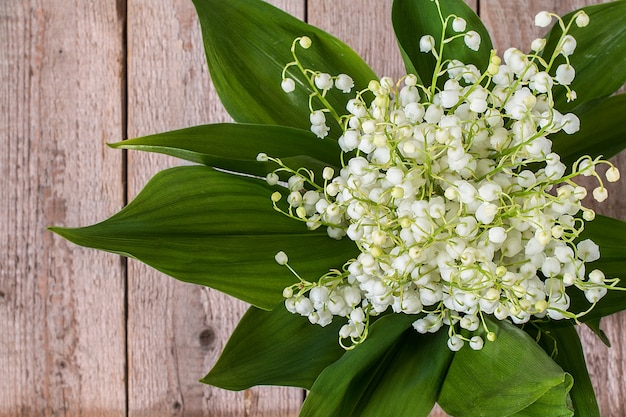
(207, 338)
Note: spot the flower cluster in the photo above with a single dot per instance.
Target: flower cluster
(452, 194)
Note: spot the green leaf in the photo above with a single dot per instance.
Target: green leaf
(563, 341)
(503, 378)
(275, 348)
(594, 325)
(551, 402)
(602, 132)
(340, 387)
(610, 235)
(215, 229)
(413, 19)
(410, 383)
(600, 55)
(248, 43)
(235, 147)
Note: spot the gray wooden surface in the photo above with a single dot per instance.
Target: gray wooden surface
(84, 333)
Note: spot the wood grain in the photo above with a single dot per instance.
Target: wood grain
(176, 330)
(62, 330)
(70, 73)
(368, 31)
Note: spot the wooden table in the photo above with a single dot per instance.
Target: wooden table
(84, 333)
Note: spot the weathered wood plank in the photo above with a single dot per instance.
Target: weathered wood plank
(62, 338)
(366, 27)
(61, 79)
(176, 331)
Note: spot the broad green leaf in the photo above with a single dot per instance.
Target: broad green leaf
(340, 387)
(602, 132)
(551, 403)
(215, 229)
(248, 43)
(600, 55)
(235, 147)
(410, 383)
(275, 348)
(503, 378)
(563, 342)
(610, 235)
(413, 19)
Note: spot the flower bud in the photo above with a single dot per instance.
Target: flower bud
(357, 315)
(476, 343)
(305, 42)
(565, 74)
(272, 178)
(317, 117)
(344, 83)
(538, 44)
(596, 276)
(301, 212)
(295, 183)
(304, 306)
(600, 194)
(458, 24)
(281, 258)
(410, 80)
(582, 19)
(589, 215)
(568, 45)
(571, 123)
(472, 40)
(427, 43)
(594, 295)
(288, 85)
(328, 173)
(497, 235)
(543, 19)
(323, 81)
(455, 343)
(612, 174)
(276, 196)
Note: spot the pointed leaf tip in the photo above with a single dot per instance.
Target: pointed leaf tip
(214, 229)
(235, 147)
(246, 60)
(504, 377)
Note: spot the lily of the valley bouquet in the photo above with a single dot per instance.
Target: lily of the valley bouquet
(403, 242)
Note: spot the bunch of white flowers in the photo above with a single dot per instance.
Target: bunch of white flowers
(453, 196)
